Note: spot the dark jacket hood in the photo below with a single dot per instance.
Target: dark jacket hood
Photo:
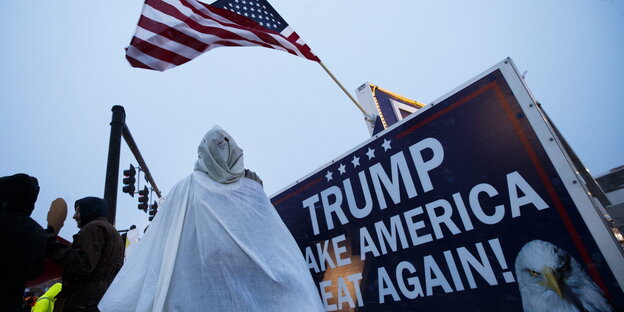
(91, 208)
(19, 193)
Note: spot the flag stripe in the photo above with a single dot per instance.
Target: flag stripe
(287, 32)
(147, 60)
(158, 52)
(172, 32)
(166, 44)
(136, 63)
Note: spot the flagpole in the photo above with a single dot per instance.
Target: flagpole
(343, 88)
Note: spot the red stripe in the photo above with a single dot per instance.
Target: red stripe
(158, 52)
(226, 43)
(293, 37)
(297, 191)
(307, 52)
(304, 49)
(136, 63)
(444, 111)
(172, 34)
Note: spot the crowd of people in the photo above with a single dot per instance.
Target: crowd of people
(216, 244)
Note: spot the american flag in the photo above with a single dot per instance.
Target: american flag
(173, 32)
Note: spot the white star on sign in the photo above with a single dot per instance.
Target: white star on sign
(355, 161)
(342, 169)
(386, 145)
(328, 175)
(370, 153)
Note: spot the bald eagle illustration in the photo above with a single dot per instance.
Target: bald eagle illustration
(551, 280)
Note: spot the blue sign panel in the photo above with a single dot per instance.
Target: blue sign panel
(456, 208)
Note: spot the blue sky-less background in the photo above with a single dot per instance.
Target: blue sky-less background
(62, 68)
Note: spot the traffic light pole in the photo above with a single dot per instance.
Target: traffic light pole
(119, 129)
(137, 154)
(112, 167)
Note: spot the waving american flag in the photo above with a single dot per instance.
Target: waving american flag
(173, 32)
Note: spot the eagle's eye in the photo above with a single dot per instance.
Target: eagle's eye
(565, 267)
(533, 273)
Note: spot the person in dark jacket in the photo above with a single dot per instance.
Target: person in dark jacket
(22, 240)
(93, 259)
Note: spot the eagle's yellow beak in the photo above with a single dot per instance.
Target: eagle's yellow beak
(551, 281)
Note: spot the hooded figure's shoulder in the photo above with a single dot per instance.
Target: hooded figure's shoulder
(181, 186)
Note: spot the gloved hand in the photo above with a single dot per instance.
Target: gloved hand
(252, 175)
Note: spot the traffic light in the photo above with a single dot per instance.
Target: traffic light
(143, 198)
(153, 210)
(129, 180)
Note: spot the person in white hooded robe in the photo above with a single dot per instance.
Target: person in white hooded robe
(216, 244)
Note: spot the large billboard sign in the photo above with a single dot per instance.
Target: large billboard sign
(469, 204)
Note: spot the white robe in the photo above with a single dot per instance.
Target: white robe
(214, 247)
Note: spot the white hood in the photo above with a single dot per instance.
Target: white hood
(220, 157)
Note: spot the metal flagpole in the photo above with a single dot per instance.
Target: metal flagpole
(343, 89)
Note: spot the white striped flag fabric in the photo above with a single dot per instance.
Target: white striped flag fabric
(173, 32)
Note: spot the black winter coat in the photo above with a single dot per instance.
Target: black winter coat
(22, 243)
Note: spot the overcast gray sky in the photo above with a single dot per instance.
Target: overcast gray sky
(63, 68)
